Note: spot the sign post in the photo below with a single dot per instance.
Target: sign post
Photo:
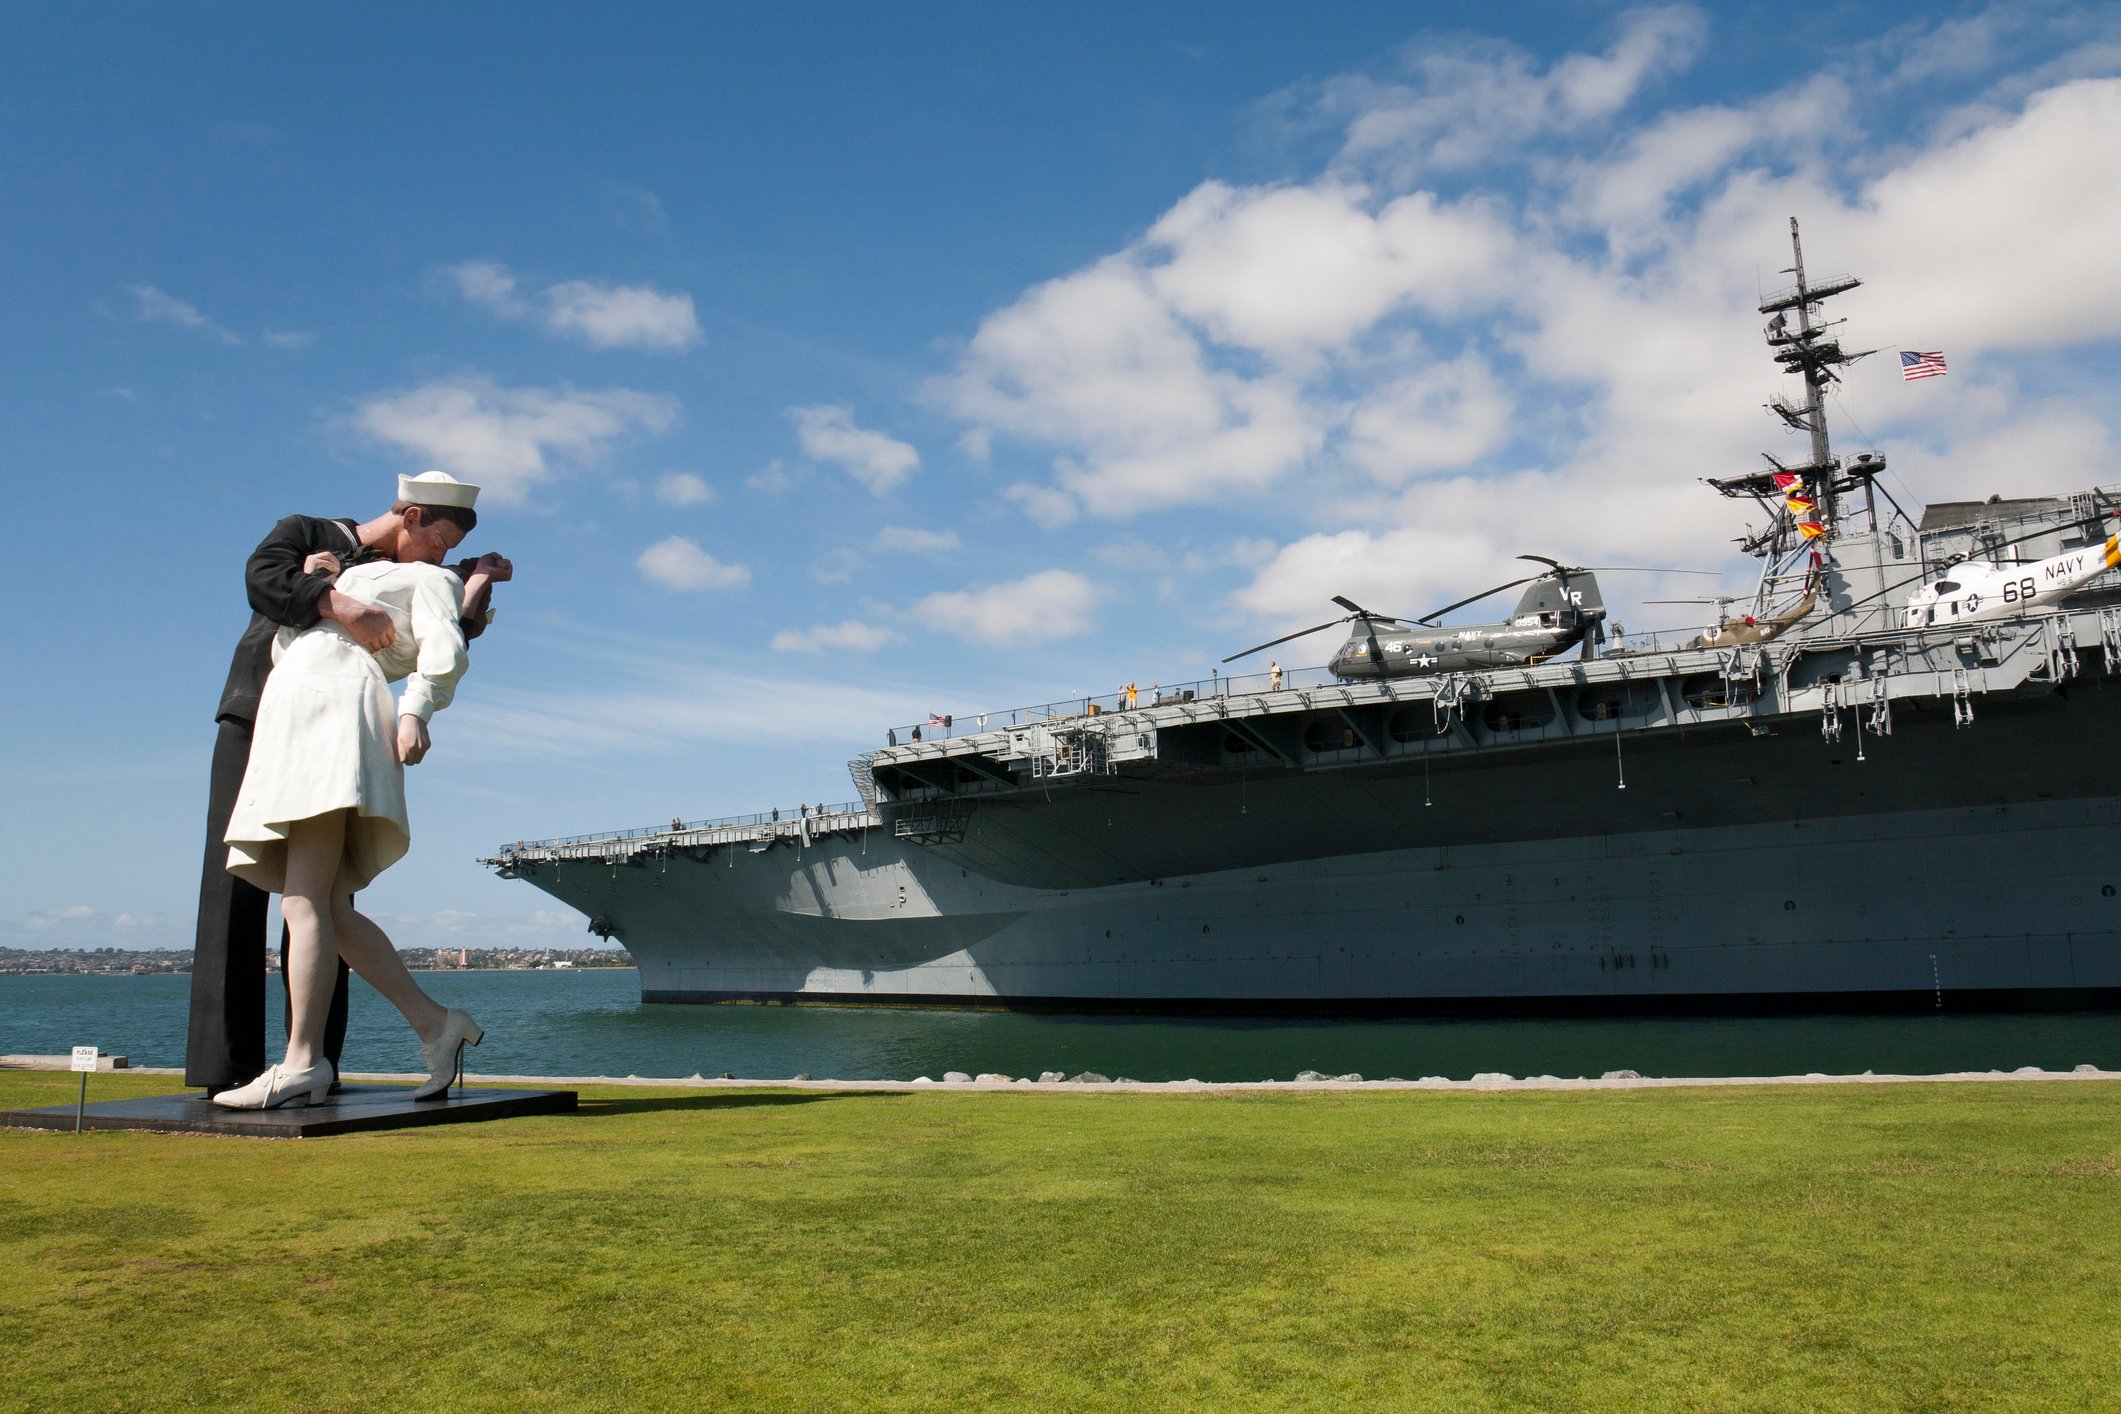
(84, 1062)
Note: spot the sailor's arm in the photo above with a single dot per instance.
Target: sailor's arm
(281, 585)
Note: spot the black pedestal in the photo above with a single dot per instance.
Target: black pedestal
(355, 1109)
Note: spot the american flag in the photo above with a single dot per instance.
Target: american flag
(1921, 365)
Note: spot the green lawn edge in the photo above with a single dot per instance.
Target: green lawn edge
(1917, 1246)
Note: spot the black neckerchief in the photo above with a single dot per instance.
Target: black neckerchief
(361, 553)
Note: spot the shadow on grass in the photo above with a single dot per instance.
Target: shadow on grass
(600, 1108)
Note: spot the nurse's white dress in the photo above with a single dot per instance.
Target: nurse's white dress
(327, 730)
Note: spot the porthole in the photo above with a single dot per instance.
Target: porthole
(1461, 918)
(1789, 905)
(2106, 891)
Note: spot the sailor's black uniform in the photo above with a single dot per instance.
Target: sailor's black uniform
(226, 1042)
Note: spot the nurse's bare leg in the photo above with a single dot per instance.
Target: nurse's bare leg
(314, 849)
(368, 951)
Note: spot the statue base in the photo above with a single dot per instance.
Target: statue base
(356, 1109)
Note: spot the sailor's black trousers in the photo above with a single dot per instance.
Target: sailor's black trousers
(226, 1042)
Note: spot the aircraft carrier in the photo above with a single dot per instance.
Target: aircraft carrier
(1855, 803)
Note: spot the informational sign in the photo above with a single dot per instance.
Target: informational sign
(85, 1062)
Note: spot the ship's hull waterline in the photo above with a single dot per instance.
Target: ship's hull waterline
(1935, 867)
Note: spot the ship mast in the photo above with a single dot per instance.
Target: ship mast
(1808, 346)
(1811, 351)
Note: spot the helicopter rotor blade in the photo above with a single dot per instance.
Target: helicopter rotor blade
(1357, 611)
(1300, 633)
(1557, 567)
(1639, 569)
(1429, 618)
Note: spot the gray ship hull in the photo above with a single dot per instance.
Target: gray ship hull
(1946, 867)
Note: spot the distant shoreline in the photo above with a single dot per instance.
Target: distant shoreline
(151, 962)
(186, 971)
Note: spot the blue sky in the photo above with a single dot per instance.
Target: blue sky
(832, 365)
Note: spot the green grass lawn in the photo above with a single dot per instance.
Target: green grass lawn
(1830, 1247)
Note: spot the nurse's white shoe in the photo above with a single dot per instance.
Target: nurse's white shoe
(440, 1055)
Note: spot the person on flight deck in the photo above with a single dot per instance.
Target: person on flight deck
(289, 580)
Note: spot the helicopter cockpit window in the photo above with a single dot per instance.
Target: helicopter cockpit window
(1947, 586)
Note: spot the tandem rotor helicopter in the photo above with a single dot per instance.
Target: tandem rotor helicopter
(1561, 610)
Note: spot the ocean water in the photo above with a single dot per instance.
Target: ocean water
(593, 1023)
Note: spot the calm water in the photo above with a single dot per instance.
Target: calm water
(593, 1023)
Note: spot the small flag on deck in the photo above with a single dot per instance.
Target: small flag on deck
(1921, 365)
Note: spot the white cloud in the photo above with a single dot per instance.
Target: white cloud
(775, 477)
(486, 283)
(1096, 363)
(1462, 104)
(79, 925)
(1516, 311)
(1447, 415)
(293, 340)
(509, 439)
(914, 540)
(636, 208)
(852, 635)
(646, 703)
(1045, 505)
(683, 488)
(677, 563)
(828, 434)
(2027, 264)
(152, 306)
(602, 315)
(837, 566)
(1050, 604)
(622, 316)
(1287, 271)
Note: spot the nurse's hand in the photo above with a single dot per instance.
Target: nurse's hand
(496, 567)
(323, 562)
(412, 740)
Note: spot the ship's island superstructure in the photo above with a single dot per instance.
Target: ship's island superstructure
(1828, 800)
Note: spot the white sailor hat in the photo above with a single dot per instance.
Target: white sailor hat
(436, 488)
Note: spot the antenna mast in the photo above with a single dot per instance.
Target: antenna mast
(1804, 499)
(1813, 352)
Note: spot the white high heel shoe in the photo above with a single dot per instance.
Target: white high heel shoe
(440, 1055)
(279, 1086)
